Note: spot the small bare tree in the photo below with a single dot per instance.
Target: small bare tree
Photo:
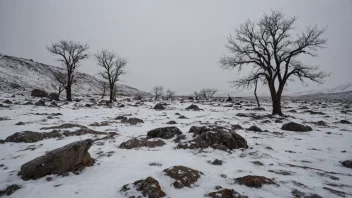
(269, 47)
(196, 95)
(104, 87)
(207, 93)
(113, 67)
(70, 54)
(158, 91)
(59, 82)
(169, 94)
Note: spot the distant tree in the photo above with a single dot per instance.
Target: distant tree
(169, 94)
(196, 95)
(113, 67)
(207, 93)
(269, 47)
(70, 54)
(104, 87)
(158, 92)
(59, 82)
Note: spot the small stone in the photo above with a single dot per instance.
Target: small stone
(217, 162)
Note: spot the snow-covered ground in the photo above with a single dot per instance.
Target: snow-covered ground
(315, 149)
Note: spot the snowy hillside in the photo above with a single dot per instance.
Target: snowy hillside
(346, 87)
(19, 74)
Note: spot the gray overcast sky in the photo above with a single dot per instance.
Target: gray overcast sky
(176, 44)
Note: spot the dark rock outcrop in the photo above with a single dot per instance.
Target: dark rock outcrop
(193, 107)
(347, 163)
(183, 176)
(148, 187)
(254, 181)
(292, 126)
(171, 122)
(164, 132)
(226, 193)
(40, 103)
(30, 136)
(7, 101)
(54, 96)
(132, 121)
(39, 93)
(70, 158)
(221, 140)
(141, 142)
(9, 190)
(159, 106)
(254, 128)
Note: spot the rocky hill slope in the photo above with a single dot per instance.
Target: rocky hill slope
(19, 74)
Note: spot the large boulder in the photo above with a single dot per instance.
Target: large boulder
(148, 187)
(141, 142)
(39, 93)
(219, 139)
(54, 96)
(70, 158)
(292, 126)
(164, 132)
(183, 176)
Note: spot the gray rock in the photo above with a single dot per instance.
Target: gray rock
(70, 158)
(292, 126)
(159, 106)
(164, 132)
(39, 93)
(40, 103)
(254, 128)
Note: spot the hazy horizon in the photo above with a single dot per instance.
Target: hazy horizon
(176, 44)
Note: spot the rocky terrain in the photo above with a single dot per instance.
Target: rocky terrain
(145, 148)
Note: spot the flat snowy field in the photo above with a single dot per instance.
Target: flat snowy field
(317, 149)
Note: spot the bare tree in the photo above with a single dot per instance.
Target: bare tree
(70, 54)
(207, 93)
(59, 82)
(196, 95)
(269, 48)
(104, 87)
(169, 94)
(158, 91)
(113, 67)
(255, 91)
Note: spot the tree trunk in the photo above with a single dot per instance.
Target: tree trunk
(111, 93)
(276, 100)
(68, 92)
(255, 93)
(277, 106)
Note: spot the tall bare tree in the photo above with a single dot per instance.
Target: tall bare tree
(59, 82)
(269, 47)
(113, 67)
(70, 54)
(158, 91)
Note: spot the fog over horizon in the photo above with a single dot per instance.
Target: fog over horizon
(176, 44)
